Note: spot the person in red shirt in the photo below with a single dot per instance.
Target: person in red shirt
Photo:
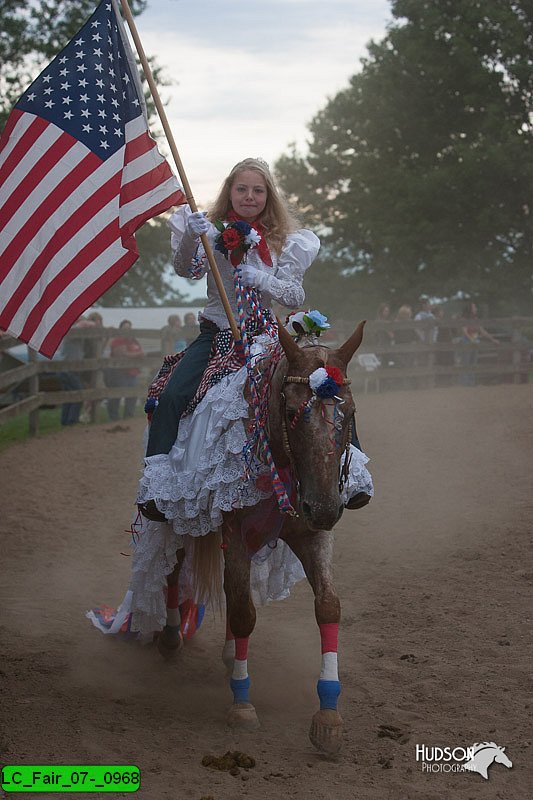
(123, 345)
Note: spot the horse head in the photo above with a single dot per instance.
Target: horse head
(484, 754)
(310, 432)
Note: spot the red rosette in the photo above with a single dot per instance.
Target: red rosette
(336, 375)
(231, 238)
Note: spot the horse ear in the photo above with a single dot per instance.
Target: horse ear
(346, 350)
(290, 348)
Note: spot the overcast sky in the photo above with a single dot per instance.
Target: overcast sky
(251, 74)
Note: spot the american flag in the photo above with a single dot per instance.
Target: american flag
(79, 174)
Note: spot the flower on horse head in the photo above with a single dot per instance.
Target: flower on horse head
(317, 320)
(326, 381)
(307, 322)
(235, 239)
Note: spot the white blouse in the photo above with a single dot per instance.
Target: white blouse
(281, 282)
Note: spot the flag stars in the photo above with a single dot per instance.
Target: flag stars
(31, 97)
(113, 87)
(98, 67)
(97, 52)
(81, 68)
(68, 114)
(102, 113)
(85, 113)
(47, 78)
(114, 103)
(103, 129)
(79, 42)
(126, 78)
(63, 72)
(100, 83)
(97, 37)
(118, 132)
(84, 98)
(95, 24)
(104, 145)
(49, 104)
(65, 86)
(86, 128)
(83, 83)
(100, 98)
(48, 90)
(63, 60)
(116, 117)
(80, 54)
(67, 100)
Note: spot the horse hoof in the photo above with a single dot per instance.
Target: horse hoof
(242, 716)
(169, 643)
(326, 732)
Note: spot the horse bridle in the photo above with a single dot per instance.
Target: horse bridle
(285, 433)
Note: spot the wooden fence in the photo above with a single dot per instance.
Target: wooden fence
(387, 360)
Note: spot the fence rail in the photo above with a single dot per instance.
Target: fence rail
(424, 362)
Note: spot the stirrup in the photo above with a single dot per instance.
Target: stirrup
(151, 511)
(358, 500)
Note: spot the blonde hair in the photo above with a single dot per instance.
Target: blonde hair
(277, 219)
(404, 312)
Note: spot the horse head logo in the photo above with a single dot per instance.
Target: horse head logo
(484, 754)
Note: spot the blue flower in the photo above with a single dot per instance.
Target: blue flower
(319, 319)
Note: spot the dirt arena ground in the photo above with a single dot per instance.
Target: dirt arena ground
(435, 579)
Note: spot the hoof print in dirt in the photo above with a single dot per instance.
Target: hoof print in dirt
(410, 657)
(393, 732)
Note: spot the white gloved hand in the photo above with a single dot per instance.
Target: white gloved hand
(197, 224)
(251, 276)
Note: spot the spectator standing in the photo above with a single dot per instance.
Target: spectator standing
(172, 336)
(191, 328)
(443, 357)
(405, 337)
(472, 332)
(123, 345)
(72, 349)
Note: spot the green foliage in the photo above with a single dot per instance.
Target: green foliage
(419, 173)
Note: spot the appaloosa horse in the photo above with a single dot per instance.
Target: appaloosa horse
(313, 451)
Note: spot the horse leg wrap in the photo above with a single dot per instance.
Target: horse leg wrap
(240, 682)
(328, 686)
(173, 612)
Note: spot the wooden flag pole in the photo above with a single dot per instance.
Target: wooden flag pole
(186, 186)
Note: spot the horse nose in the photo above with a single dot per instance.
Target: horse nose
(320, 515)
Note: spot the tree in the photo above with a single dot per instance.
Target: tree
(419, 173)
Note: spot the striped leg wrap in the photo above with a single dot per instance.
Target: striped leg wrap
(328, 685)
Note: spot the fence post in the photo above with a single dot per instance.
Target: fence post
(33, 385)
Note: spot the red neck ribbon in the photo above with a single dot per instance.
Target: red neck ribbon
(262, 247)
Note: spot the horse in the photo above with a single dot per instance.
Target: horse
(315, 451)
(485, 753)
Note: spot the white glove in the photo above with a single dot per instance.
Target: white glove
(197, 224)
(251, 276)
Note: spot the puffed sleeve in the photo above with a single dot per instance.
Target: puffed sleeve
(188, 253)
(285, 285)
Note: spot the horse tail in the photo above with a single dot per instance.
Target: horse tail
(207, 569)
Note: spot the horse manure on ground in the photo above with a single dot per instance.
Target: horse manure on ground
(232, 761)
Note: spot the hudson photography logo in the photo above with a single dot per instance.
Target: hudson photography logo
(476, 758)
